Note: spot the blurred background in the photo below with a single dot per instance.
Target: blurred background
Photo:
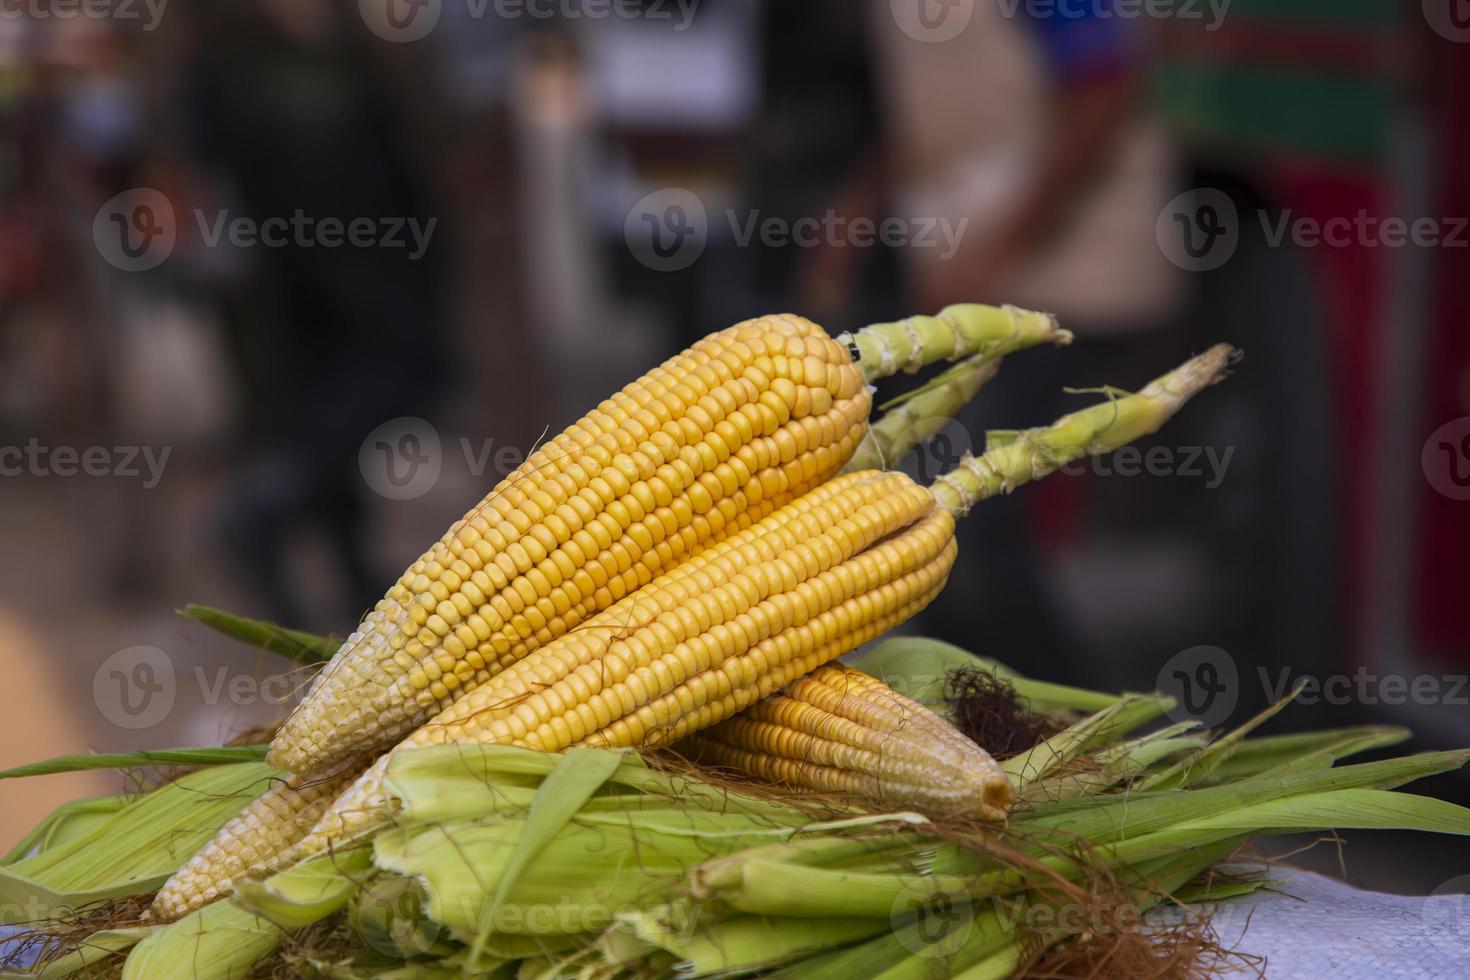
(287, 285)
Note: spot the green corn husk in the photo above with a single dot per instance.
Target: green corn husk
(1103, 727)
(66, 822)
(920, 668)
(218, 942)
(302, 648)
(505, 862)
(308, 892)
(146, 758)
(133, 850)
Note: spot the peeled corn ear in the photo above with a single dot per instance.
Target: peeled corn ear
(711, 441)
(815, 580)
(260, 838)
(840, 731)
(705, 445)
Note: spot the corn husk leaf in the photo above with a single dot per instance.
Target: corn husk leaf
(919, 668)
(131, 760)
(1045, 758)
(1276, 753)
(307, 892)
(218, 942)
(744, 943)
(294, 645)
(1187, 771)
(567, 788)
(135, 849)
(66, 822)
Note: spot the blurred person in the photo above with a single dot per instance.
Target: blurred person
(1025, 136)
(671, 95)
(291, 111)
(1303, 113)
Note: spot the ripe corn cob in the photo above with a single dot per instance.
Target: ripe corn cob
(259, 839)
(806, 585)
(701, 447)
(838, 730)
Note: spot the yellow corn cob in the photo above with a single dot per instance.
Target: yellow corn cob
(715, 635)
(259, 839)
(838, 730)
(701, 447)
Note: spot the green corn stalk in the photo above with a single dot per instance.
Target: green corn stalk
(918, 416)
(958, 332)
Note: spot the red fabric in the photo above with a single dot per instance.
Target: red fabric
(1442, 588)
(1351, 282)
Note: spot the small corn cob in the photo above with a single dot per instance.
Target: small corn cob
(260, 838)
(838, 730)
(699, 448)
(813, 581)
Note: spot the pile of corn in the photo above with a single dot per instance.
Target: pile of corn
(462, 790)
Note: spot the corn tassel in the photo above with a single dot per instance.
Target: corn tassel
(699, 448)
(808, 584)
(838, 730)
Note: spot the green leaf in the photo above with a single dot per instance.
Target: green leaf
(147, 757)
(919, 668)
(1188, 770)
(65, 822)
(567, 788)
(1137, 814)
(1045, 758)
(221, 941)
(302, 648)
(133, 851)
(746, 943)
(1347, 809)
(307, 892)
